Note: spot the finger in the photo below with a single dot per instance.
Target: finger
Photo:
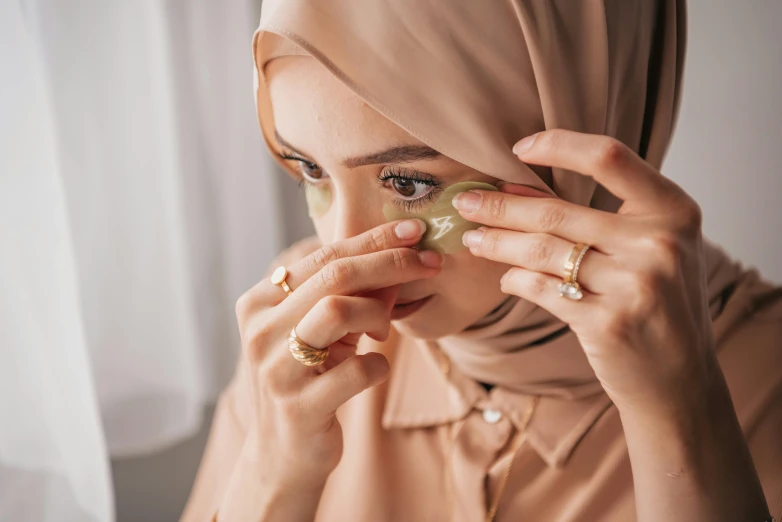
(543, 290)
(541, 253)
(614, 165)
(336, 316)
(544, 215)
(338, 353)
(522, 190)
(327, 392)
(353, 275)
(395, 234)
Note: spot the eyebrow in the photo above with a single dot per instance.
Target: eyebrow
(400, 154)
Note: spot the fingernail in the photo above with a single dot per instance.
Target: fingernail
(524, 145)
(430, 258)
(467, 201)
(410, 229)
(472, 238)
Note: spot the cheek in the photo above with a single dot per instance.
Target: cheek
(474, 280)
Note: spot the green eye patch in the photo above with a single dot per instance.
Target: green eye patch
(318, 199)
(444, 225)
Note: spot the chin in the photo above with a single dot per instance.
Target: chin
(429, 323)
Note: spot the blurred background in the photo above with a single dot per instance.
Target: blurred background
(137, 202)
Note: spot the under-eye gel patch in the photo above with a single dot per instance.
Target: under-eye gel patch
(318, 198)
(444, 225)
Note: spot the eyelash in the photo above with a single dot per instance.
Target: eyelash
(387, 174)
(400, 173)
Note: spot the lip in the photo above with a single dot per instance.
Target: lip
(406, 309)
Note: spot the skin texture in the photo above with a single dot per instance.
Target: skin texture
(644, 322)
(328, 124)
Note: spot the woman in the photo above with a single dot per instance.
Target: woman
(587, 356)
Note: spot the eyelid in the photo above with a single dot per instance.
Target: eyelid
(296, 157)
(408, 173)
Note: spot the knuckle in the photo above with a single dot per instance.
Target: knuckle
(691, 216)
(357, 373)
(243, 306)
(332, 275)
(551, 216)
(668, 251)
(334, 309)
(490, 242)
(538, 283)
(271, 384)
(495, 205)
(551, 140)
(377, 239)
(539, 254)
(255, 339)
(645, 284)
(324, 255)
(617, 325)
(401, 258)
(610, 152)
(288, 405)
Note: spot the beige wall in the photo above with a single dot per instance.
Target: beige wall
(727, 153)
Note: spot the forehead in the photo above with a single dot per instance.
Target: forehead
(318, 114)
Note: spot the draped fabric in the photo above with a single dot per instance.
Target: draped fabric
(137, 205)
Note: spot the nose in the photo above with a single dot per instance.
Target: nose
(354, 215)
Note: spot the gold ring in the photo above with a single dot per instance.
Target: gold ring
(304, 353)
(570, 287)
(279, 278)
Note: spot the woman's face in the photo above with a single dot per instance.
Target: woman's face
(330, 136)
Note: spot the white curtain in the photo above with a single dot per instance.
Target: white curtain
(53, 463)
(137, 203)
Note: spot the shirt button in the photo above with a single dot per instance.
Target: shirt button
(492, 416)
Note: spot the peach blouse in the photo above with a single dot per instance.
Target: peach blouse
(426, 446)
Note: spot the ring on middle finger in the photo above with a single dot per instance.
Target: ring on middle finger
(304, 353)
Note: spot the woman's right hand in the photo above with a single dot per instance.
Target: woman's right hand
(340, 292)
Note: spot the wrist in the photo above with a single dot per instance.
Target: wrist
(255, 493)
(690, 457)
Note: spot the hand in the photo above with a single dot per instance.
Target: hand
(340, 292)
(644, 321)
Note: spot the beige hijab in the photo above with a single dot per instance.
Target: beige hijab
(470, 79)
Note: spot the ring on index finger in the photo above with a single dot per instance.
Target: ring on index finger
(279, 278)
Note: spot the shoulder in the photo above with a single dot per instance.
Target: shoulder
(750, 354)
(749, 345)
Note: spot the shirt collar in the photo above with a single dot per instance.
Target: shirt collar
(421, 395)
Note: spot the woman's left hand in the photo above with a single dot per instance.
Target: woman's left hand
(644, 321)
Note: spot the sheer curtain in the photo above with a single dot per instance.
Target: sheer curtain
(137, 203)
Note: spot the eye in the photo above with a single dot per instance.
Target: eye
(311, 172)
(410, 188)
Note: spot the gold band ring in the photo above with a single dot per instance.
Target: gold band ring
(570, 287)
(279, 278)
(304, 353)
